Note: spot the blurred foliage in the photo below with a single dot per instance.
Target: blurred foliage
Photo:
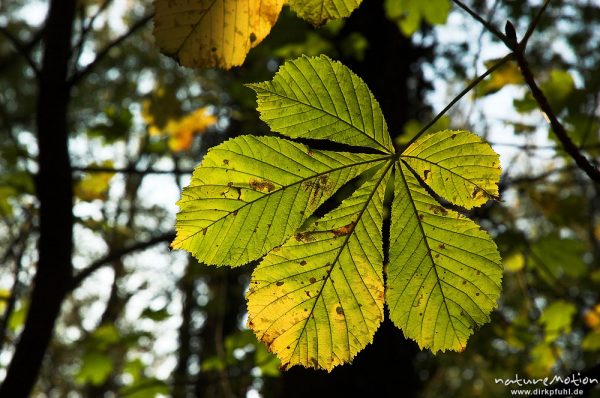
(156, 323)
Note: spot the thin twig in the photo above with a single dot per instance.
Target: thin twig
(130, 170)
(518, 52)
(532, 27)
(557, 127)
(104, 52)
(460, 95)
(21, 49)
(14, 293)
(110, 257)
(485, 23)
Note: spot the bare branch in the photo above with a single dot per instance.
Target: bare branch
(110, 257)
(130, 170)
(22, 49)
(104, 52)
(557, 127)
(485, 23)
(460, 95)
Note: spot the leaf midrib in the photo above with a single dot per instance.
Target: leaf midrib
(451, 172)
(261, 88)
(266, 195)
(341, 248)
(429, 252)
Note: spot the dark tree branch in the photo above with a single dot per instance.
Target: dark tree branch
(113, 256)
(130, 170)
(54, 189)
(22, 49)
(557, 127)
(518, 52)
(76, 78)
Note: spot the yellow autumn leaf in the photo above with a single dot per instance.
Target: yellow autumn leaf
(181, 132)
(592, 318)
(94, 185)
(212, 33)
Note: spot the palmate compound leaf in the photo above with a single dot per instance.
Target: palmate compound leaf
(318, 299)
(212, 33)
(317, 12)
(322, 99)
(252, 193)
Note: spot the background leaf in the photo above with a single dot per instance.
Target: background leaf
(317, 12)
(212, 33)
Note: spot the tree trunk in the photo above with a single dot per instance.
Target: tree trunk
(54, 190)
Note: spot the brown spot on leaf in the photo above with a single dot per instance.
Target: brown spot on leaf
(203, 231)
(279, 283)
(453, 136)
(339, 310)
(307, 293)
(478, 272)
(225, 162)
(442, 246)
(438, 210)
(262, 185)
(302, 262)
(252, 37)
(304, 236)
(312, 280)
(421, 216)
(345, 230)
(426, 174)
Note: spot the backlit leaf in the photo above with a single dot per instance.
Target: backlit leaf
(322, 99)
(318, 299)
(181, 132)
(557, 318)
(212, 33)
(94, 185)
(444, 272)
(458, 165)
(251, 193)
(410, 14)
(317, 12)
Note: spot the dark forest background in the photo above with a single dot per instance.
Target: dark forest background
(99, 132)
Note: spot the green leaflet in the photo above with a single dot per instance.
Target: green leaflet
(251, 193)
(317, 297)
(409, 14)
(458, 165)
(322, 99)
(322, 291)
(317, 12)
(444, 274)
